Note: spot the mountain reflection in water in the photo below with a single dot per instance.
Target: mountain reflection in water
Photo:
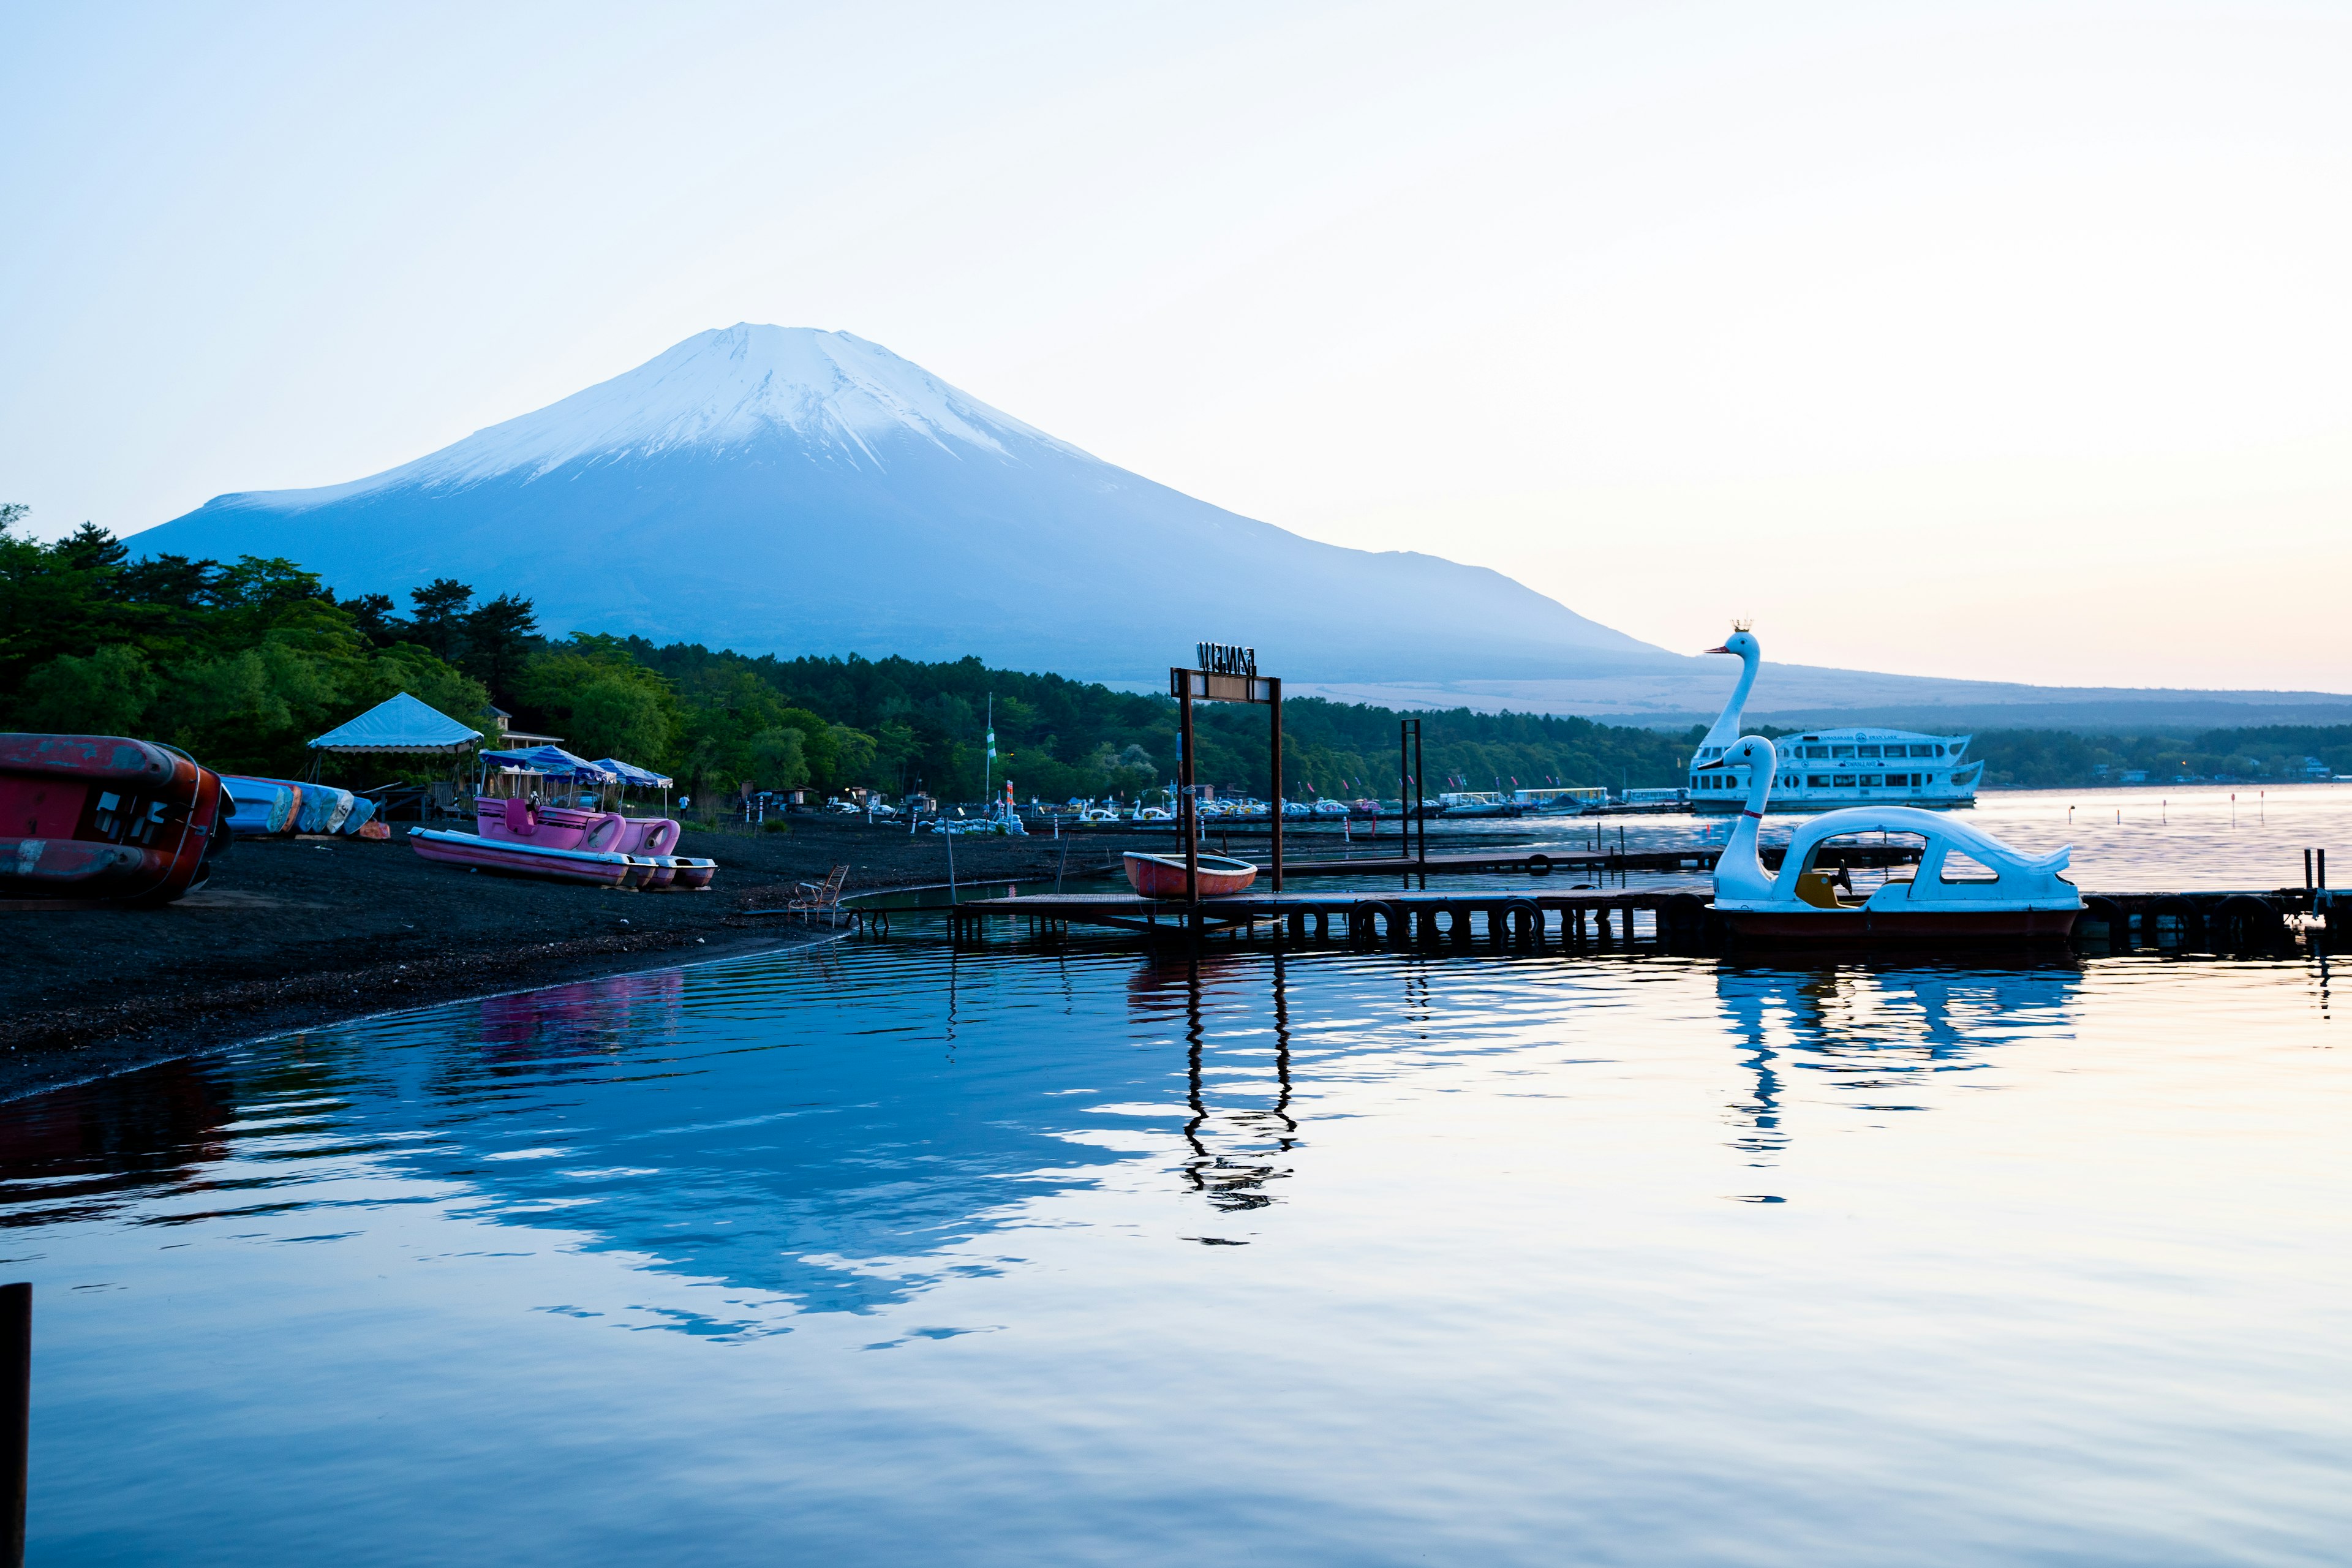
(703, 1136)
(893, 1252)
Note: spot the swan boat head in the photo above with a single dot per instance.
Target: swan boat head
(1741, 642)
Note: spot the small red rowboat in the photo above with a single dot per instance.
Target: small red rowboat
(1162, 875)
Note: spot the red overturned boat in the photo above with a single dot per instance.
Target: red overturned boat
(105, 819)
(1162, 875)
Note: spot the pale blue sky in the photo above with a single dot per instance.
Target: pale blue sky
(1972, 340)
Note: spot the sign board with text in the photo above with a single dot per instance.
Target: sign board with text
(1208, 686)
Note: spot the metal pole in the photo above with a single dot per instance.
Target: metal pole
(1186, 807)
(1417, 777)
(1274, 690)
(15, 1429)
(1404, 779)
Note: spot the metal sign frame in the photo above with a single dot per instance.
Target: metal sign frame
(1230, 675)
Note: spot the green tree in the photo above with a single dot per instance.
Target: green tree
(500, 637)
(614, 717)
(107, 693)
(438, 618)
(777, 758)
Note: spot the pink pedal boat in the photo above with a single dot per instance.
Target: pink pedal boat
(603, 848)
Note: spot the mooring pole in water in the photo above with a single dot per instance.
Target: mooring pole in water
(1409, 784)
(1420, 816)
(1275, 690)
(1187, 808)
(16, 1417)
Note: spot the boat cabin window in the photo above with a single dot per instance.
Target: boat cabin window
(1816, 781)
(1841, 750)
(1847, 869)
(1917, 751)
(1866, 750)
(1817, 751)
(1962, 866)
(1841, 781)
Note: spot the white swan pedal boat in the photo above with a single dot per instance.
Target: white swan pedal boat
(1968, 885)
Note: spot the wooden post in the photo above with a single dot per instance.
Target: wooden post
(1273, 687)
(16, 1428)
(1186, 807)
(1405, 777)
(1418, 776)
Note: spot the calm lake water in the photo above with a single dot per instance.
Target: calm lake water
(887, 1253)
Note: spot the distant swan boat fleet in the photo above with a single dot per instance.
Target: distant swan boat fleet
(1829, 768)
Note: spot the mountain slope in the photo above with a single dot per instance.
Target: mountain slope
(792, 491)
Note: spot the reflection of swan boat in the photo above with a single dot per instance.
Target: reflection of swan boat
(1831, 767)
(1968, 885)
(1162, 875)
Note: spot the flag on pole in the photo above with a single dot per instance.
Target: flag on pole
(992, 745)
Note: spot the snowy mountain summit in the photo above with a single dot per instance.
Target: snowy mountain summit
(732, 388)
(790, 491)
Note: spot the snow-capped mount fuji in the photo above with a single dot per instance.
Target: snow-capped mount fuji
(831, 392)
(791, 490)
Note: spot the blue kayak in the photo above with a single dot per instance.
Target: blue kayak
(261, 806)
(282, 805)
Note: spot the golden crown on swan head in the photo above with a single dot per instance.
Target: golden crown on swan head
(1743, 626)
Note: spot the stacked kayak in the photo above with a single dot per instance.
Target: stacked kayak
(260, 807)
(603, 848)
(265, 806)
(106, 819)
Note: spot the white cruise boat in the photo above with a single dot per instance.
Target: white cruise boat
(1823, 770)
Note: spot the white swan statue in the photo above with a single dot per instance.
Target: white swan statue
(1967, 885)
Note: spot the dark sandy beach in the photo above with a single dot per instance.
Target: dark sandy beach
(294, 933)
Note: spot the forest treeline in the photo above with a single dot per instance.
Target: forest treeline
(2051, 759)
(240, 663)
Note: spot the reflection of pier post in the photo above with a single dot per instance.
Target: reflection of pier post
(15, 1412)
(1231, 1184)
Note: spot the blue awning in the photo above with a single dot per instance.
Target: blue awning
(552, 760)
(399, 723)
(630, 773)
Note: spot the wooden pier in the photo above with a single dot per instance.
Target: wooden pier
(1674, 920)
(1604, 862)
(1397, 921)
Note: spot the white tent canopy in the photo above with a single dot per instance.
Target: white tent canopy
(400, 723)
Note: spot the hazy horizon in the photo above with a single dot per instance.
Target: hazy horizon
(1996, 343)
